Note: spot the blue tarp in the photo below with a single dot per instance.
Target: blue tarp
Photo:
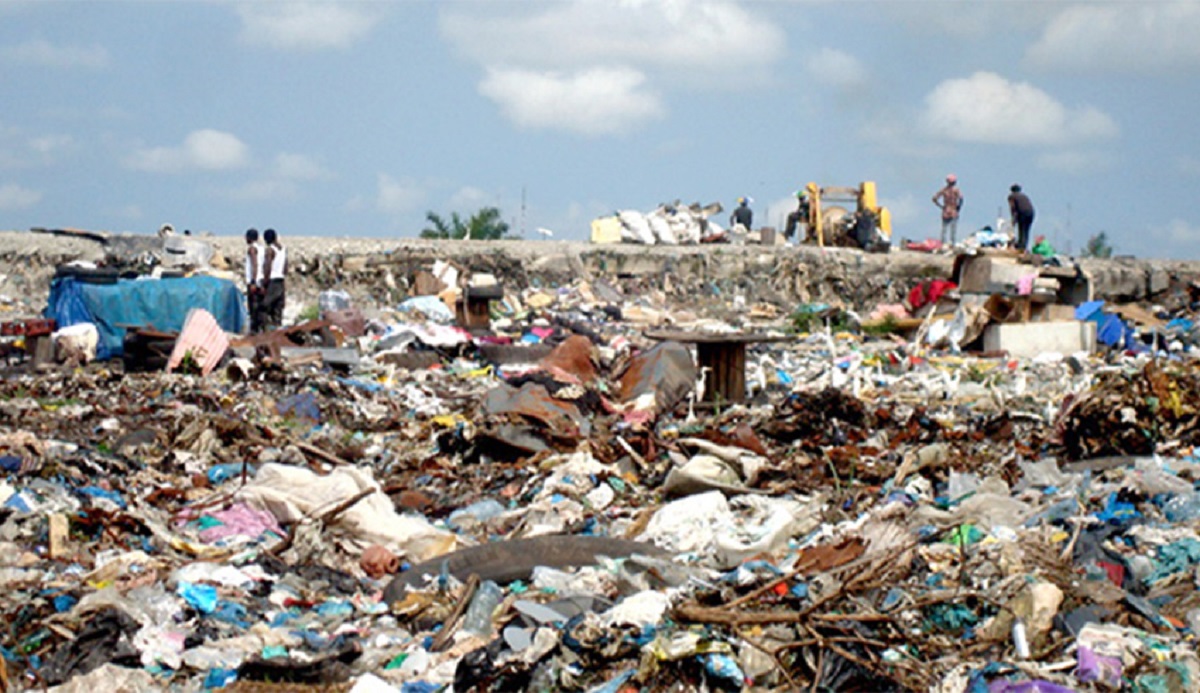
(162, 304)
(1088, 310)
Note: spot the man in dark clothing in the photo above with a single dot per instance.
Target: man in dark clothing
(742, 215)
(254, 276)
(1022, 215)
(800, 216)
(274, 272)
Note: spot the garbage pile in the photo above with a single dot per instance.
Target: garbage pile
(667, 224)
(555, 501)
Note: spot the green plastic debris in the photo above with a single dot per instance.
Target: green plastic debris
(1175, 558)
(964, 535)
(951, 618)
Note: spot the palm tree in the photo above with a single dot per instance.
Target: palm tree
(484, 225)
(1098, 246)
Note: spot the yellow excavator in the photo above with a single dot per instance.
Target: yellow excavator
(830, 222)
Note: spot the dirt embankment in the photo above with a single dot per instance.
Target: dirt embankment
(377, 271)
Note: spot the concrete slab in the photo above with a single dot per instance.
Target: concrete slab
(1032, 338)
(988, 275)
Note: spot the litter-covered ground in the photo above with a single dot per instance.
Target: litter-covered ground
(560, 502)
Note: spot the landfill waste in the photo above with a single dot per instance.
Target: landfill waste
(551, 504)
(668, 224)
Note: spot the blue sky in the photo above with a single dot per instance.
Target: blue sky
(356, 118)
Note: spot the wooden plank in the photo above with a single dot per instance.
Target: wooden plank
(736, 357)
(726, 379)
(478, 314)
(59, 531)
(42, 348)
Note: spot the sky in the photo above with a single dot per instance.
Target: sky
(359, 118)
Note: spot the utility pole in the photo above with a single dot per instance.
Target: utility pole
(522, 212)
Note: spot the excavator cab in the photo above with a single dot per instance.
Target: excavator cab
(831, 221)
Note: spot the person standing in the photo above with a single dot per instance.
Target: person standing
(1022, 215)
(254, 280)
(950, 200)
(742, 214)
(274, 273)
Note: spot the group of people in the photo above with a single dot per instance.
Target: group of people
(950, 200)
(266, 268)
(743, 216)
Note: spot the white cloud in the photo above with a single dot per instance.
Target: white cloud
(1180, 231)
(398, 196)
(20, 150)
(1076, 162)
(599, 67)
(280, 181)
(469, 198)
(264, 190)
(42, 53)
(298, 167)
(50, 144)
(208, 150)
(14, 197)
(835, 68)
(1125, 37)
(599, 101)
(696, 36)
(907, 210)
(306, 25)
(987, 108)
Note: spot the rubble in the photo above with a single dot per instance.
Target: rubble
(392, 497)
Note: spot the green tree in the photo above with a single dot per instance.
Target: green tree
(1098, 246)
(484, 225)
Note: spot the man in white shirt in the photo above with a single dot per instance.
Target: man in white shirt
(274, 272)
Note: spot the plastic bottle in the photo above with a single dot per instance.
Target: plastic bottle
(1020, 639)
(1183, 508)
(479, 511)
(478, 619)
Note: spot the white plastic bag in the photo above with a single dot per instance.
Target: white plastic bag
(636, 228)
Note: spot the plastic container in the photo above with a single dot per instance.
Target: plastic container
(961, 484)
(329, 301)
(479, 511)
(478, 619)
(1182, 508)
(220, 473)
